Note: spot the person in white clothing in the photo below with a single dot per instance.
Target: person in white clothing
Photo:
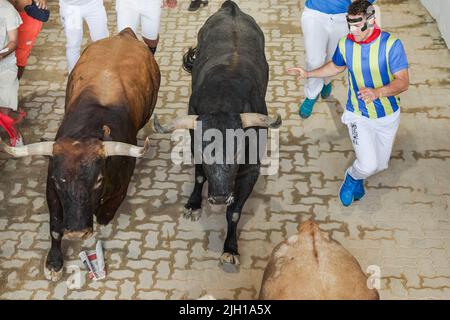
(73, 13)
(147, 14)
(323, 24)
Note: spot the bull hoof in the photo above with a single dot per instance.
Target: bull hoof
(193, 215)
(230, 263)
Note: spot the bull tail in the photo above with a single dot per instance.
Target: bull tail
(189, 58)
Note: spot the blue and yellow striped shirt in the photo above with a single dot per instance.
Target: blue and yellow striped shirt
(371, 65)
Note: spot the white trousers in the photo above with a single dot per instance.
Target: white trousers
(146, 13)
(72, 19)
(372, 141)
(321, 33)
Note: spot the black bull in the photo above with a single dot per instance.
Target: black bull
(229, 82)
(110, 96)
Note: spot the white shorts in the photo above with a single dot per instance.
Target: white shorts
(147, 13)
(9, 87)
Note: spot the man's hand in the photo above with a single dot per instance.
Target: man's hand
(170, 4)
(41, 4)
(368, 95)
(302, 73)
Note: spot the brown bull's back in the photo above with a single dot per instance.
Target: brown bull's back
(116, 71)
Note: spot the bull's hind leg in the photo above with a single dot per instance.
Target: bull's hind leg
(192, 209)
(244, 186)
(54, 261)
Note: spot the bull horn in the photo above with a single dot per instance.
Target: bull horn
(186, 122)
(114, 148)
(34, 149)
(260, 120)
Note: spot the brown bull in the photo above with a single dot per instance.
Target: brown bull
(110, 96)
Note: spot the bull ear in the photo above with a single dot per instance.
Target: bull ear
(106, 133)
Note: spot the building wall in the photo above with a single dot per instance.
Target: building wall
(440, 10)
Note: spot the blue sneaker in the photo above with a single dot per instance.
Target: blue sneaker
(359, 191)
(306, 107)
(326, 91)
(349, 189)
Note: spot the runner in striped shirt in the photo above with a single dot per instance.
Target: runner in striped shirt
(377, 74)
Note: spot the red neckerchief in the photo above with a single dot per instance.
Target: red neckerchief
(375, 34)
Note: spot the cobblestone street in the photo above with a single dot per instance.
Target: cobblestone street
(152, 252)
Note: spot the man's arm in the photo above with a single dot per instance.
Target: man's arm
(12, 44)
(327, 70)
(398, 85)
